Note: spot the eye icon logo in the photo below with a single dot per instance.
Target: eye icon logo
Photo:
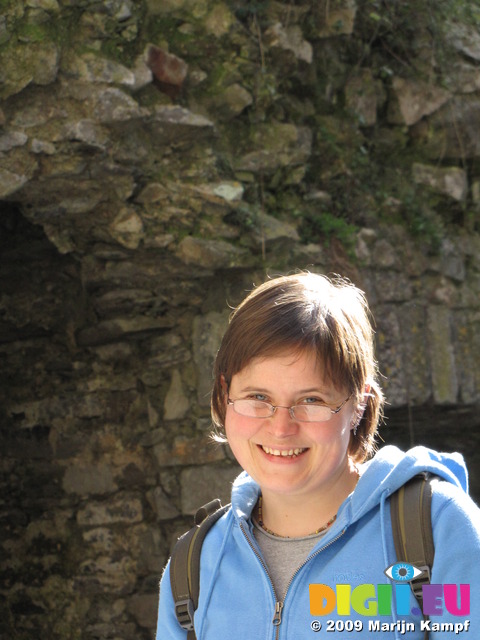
(402, 572)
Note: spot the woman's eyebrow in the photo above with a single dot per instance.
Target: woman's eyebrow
(257, 389)
(261, 389)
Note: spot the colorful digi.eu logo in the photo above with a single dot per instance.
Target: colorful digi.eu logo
(379, 600)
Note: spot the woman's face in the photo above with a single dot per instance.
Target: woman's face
(281, 454)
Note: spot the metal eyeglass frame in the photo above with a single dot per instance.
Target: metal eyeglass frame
(291, 410)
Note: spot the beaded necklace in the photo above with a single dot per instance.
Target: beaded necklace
(261, 523)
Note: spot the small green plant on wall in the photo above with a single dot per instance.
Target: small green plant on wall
(323, 226)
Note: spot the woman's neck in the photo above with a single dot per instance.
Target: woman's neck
(303, 514)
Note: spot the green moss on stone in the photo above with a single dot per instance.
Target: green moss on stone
(34, 32)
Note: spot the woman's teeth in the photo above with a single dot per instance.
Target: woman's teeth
(284, 453)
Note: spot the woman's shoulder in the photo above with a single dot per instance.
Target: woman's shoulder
(450, 501)
(216, 531)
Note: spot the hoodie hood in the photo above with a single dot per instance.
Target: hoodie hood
(245, 494)
(379, 478)
(391, 468)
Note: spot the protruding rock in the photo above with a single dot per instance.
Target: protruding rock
(87, 131)
(363, 95)
(34, 62)
(450, 181)
(207, 335)
(113, 105)
(168, 69)
(231, 102)
(10, 182)
(93, 68)
(290, 39)
(268, 230)
(277, 145)
(176, 403)
(127, 229)
(174, 124)
(210, 254)
(465, 38)
(337, 18)
(413, 100)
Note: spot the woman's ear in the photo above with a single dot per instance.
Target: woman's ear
(360, 410)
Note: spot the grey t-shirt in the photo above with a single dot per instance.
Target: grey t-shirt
(283, 556)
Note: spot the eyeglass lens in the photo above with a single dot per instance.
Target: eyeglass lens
(259, 409)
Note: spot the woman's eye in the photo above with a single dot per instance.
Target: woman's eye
(402, 572)
(258, 396)
(311, 400)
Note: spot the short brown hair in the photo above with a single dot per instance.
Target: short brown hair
(307, 312)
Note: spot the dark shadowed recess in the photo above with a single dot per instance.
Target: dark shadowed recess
(444, 428)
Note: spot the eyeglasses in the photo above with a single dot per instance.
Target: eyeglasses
(252, 408)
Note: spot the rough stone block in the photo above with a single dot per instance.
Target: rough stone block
(144, 608)
(210, 254)
(175, 124)
(100, 540)
(390, 355)
(185, 450)
(392, 286)
(289, 39)
(207, 335)
(413, 342)
(127, 228)
(166, 67)
(413, 100)
(10, 182)
(93, 68)
(176, 404)
(449, 181)
(467, 354)
(121, 328)
(337, 18)
(442, 357)
(202, 484)
(105, 573)
(453, 260)
(122, 508)
(87, 479)
(276, 145)
(161, 504)
(229, 103)
(465, 38)
(270, 230)
(363, 95)
(112, 105)
(22, 64)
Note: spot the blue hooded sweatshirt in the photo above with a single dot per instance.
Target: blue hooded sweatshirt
(238, 601)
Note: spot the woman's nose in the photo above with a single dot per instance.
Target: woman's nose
(282, 423)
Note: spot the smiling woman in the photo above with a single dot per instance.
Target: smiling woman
(296, 397)
(301, 489)
(307, 313)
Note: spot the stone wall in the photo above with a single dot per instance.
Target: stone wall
(157, 159)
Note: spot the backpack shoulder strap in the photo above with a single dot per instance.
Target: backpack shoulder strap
(185, 565)
(410, 509)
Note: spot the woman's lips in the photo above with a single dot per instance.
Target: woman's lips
(284, 453)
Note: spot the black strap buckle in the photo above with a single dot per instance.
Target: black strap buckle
(184, 611)
(417, 583)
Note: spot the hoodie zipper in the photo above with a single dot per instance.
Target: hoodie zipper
(277, 616)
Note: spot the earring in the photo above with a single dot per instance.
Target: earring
(358, 416)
